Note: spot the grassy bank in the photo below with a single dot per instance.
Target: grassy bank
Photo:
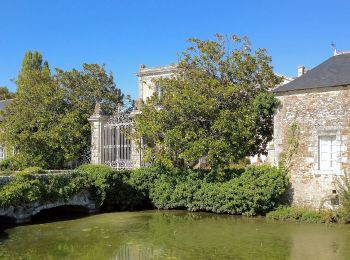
(307, 215)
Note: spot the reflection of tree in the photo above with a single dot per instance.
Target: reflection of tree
(137, 251)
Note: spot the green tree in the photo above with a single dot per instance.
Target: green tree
(83, 89)
(47, 122)
(5, 93)
(29, 121)
(218, 106)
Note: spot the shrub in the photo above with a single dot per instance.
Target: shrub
(256, 191)
(12, 164)
(20, 190)
(144, 178)
(111, 188)
(63, 186)
(95, 169)
(26, 187)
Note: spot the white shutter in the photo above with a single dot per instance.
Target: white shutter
(328, 153)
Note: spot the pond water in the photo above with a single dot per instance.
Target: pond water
(173, 235)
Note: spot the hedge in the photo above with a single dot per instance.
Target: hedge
(255, 192)
(250, 191)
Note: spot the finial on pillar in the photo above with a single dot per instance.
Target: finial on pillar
(98, 110)
(119, 108)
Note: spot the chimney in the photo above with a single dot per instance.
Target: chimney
(301, 70)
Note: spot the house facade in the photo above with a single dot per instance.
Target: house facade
(146, 77)
(312, 127)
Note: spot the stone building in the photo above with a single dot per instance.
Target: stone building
(146, 77)
(317, 106)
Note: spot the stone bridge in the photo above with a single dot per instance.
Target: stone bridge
(22, 213)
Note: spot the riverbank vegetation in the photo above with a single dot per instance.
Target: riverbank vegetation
(254, 190)
(298, 214)
(341, 213)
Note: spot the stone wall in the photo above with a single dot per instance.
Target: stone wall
(317, 112)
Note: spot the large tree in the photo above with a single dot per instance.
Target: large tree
(47, 122)
(29, 122)
(218, 106)
(5, 93)
(83, 89)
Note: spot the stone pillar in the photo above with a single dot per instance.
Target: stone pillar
(140, 81)
(136, 151)
(97, 121)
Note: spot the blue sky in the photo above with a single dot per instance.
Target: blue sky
(124, 34)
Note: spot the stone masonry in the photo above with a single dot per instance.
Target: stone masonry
(317, 112)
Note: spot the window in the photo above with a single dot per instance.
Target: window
(327, 153)
(2, 154)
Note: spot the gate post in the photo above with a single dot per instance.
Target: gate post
(136, 145)
(97, 120)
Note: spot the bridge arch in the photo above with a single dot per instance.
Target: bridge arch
(24, 213)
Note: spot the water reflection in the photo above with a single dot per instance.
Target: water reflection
(174, 235)
(138, 252)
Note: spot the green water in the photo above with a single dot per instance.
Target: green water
(174, 235)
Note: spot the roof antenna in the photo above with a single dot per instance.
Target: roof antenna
(334, 49)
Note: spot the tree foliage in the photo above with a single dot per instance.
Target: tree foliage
(5, 93)
(47, 122)
(218, 106)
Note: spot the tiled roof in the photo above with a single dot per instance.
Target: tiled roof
(333, 72)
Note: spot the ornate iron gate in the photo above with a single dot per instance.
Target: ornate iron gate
(117, 146)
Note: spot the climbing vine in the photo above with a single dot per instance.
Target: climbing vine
(286, 158)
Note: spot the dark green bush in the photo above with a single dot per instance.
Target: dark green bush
(12, 164)
(63, 186)
(26, 188)
(95, 169)
(255, 191)
(111, 188)
(20, 190)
